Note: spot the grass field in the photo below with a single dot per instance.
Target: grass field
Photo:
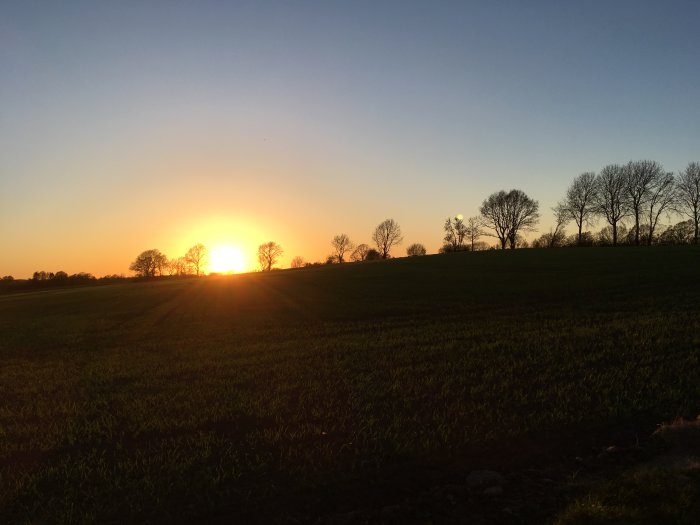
(345, 393)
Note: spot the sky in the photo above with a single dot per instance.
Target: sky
(126, 126)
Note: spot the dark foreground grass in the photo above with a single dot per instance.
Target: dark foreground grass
(307, 393)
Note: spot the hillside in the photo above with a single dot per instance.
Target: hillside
(345, 393)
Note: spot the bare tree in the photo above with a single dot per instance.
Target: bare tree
(177, 266)
(610, 197)
(455, 231)
(508, 213)
(268, 255)
(473, 231)
(688, 203)
(416, 249)
(196, 258)
(662, 198)
(149, 263)
(341, 244)
(561, 217)
(386, 235)
(359, 253)
(494, 215)
(580, 200)
(297, 262)
(639, 176)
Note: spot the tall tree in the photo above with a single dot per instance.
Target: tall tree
(688, 187)
(639, 176)
(341, 245)
(387, 235)
(580, 200)
(196, 258)
(473, 231)
(610, 197)
(561, 217)
(662, 198)
(508, 213)
(455, 231)
(149, 263)
(268, 255)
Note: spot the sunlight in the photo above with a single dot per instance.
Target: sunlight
(226, 259)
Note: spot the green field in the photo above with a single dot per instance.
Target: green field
(344, 393)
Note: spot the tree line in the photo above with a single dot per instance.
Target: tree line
(641, 192)
(640, 189)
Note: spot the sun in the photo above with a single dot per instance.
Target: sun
(226, 259)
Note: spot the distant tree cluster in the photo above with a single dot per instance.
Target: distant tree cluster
(386, 236)
(462, 236)
(44, 279)
(62, 277)
(153, 263)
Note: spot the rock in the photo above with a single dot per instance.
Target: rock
(484, 478)
(493, 491)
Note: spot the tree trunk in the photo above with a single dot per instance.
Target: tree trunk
(614, 229)
(580, 227)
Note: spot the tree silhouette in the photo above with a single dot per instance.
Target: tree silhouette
(610, 197)
(661, 198)
(680, 233)
(580, 200)
(268, 255)
(508, 213)
(473, 231)
(639, 176)
(359, 253)
(373, 255)
(297, 262)
(149, 263)
(561, 217)
(416, 249)
(196, 258)
(688, 201)
(341, 244)
(178, 266)
(455, 231)
(385, 236)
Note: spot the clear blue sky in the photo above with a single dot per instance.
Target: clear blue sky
(131, 125)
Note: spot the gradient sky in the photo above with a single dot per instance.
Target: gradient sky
(126, 126)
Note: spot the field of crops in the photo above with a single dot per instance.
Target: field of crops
(344, 393)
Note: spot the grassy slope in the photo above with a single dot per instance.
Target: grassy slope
(327, 389)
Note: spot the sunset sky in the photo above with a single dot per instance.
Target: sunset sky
(126, 126)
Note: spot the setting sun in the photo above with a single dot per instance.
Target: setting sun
(226, 259)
